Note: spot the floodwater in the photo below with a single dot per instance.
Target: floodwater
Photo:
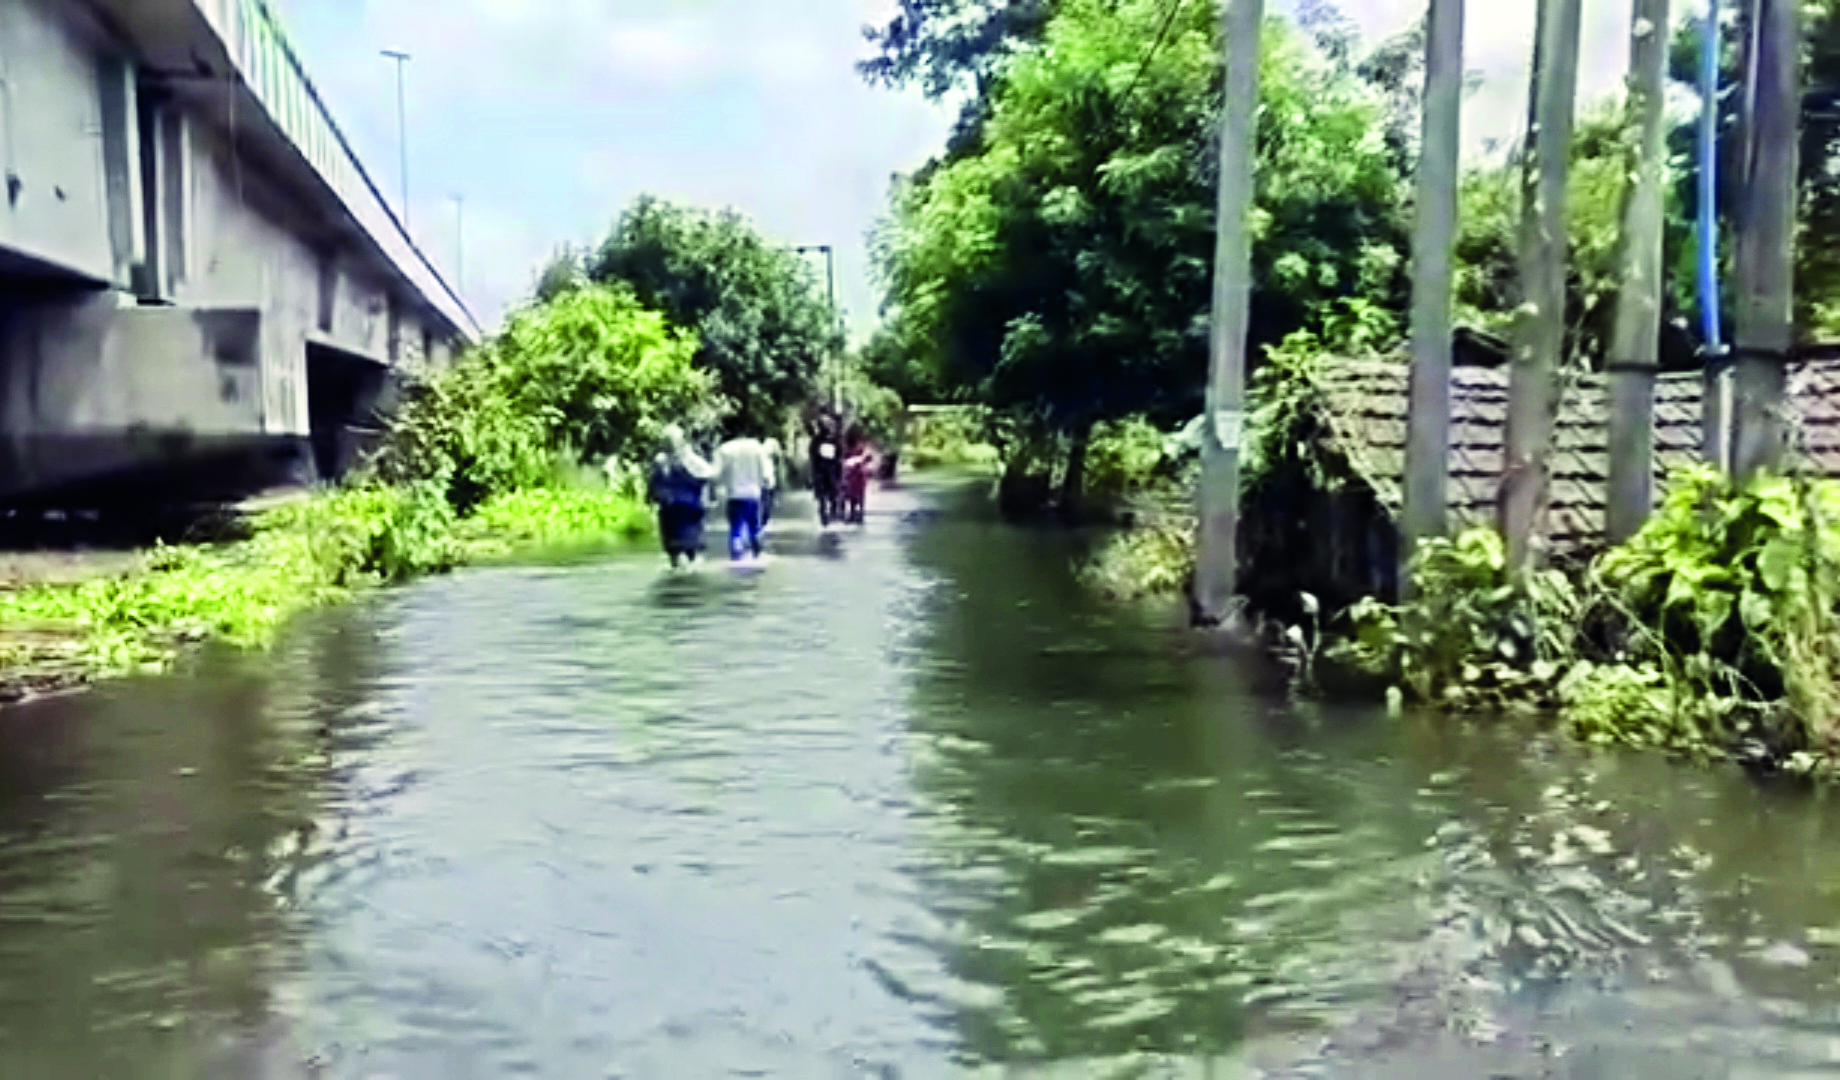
(905, 804)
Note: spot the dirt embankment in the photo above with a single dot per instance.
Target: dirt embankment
(72, 548)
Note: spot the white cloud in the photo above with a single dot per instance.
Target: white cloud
(1498, 43)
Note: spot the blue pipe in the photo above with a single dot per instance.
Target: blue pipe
(1709, 182)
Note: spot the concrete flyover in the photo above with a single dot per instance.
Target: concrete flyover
(200, 286)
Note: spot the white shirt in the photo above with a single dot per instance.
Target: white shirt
(743, 469)
(771, 446)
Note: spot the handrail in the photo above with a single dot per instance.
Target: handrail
(274, 74)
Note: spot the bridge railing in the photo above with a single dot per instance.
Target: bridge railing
(272, 71)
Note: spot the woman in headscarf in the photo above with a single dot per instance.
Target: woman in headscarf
(678, 476)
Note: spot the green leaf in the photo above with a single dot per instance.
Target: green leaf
(1756, 610)
(1777, 563)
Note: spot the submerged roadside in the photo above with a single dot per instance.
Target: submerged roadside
(1714, 633)
(142, 611)
(527, 444)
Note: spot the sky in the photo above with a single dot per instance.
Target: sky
(547, 117)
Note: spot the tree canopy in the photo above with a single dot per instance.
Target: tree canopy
(761, 320)
(585, 375)
(1061, 269)
(946, 45)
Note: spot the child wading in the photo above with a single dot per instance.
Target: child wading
(676, 486)
(742, 471)
(856, 469)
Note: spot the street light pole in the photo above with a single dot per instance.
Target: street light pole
(402, 126)
(830, 291)
(460, 242)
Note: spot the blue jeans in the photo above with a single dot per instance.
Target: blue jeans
(743, 527)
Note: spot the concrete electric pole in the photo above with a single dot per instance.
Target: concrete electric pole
(1217, 565)
(1428, 434)
(1539, 338)
(1765, 254)
(1635, 344)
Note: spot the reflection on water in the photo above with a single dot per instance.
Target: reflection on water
(906, 804)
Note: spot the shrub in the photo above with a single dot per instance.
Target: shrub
(1151, 561)
(951, 437)
(1714, 630)
(1471, 637)
(1124, 459)
(558, 517)
(1731, 594)
(586, 376)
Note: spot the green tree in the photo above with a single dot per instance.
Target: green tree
(588, 375)
(889, 359)
(561, 274)
(1488, 236)
(763, 324)
(945, 45)
(1061, 269)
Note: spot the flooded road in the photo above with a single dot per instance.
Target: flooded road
(906, 804)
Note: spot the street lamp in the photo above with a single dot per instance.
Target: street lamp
(830, 291)
(402, 127)
(459, 242)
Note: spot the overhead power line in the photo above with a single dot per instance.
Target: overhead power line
(1162, 35)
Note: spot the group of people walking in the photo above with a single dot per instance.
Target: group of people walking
(840, 471)
(747, 473)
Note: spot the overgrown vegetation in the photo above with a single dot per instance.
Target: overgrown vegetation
(761, 324)
(1053, 262)
(589, 375)
(1052, 266)
(1151, 560)
(953, 438)
(497, 456)
(1714, 631)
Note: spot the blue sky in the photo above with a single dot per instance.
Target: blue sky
(549, 116)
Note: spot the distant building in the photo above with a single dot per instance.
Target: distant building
(200, 286)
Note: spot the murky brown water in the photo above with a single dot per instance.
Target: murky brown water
(906, 804)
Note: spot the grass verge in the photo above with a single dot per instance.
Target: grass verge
(58, 636)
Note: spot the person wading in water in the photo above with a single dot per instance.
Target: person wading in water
(742, 469)
(769, 498)
(827, 470)
(676, 486)
(858, 462)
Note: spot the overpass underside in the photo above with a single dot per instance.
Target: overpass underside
(201, 293)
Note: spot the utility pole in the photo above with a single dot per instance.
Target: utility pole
(1635, 346)
(1714, 416)
(1428, 430)
(1217, 565)
(1764, 329)
(402, 126)
(1539, 339)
